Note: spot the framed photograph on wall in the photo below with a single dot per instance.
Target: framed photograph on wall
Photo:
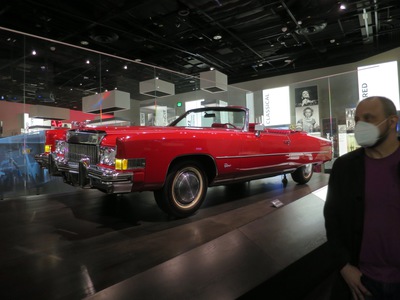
(306, 96)
(350, 122)
(307, 118)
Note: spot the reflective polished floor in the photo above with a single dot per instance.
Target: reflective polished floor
(69, 243)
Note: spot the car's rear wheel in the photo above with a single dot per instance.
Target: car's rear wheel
(303, 174)
(184, 190)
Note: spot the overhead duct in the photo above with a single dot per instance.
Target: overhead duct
(213, 81)
(156, 88)
(49, 112)
(365, 20)
(106, 102)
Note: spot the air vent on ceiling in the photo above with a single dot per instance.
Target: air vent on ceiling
(103, 36)
(311, 28)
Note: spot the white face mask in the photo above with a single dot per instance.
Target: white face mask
(367, 134)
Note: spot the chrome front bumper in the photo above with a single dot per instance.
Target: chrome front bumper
(87, 176)
(47, 161)
(42, 159)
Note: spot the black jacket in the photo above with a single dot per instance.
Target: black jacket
(344, 208)
(344, 213)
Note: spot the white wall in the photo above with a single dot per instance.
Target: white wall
(277, 81)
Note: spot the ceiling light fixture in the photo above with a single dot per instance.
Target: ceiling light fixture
(183, 12)
(342, 6)
(217, 37)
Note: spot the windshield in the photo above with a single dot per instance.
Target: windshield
(212, 118)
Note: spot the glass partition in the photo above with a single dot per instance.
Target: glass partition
(48, 84)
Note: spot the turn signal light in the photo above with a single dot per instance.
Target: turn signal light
(121, 164)
(47, 148)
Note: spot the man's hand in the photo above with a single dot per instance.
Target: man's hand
(352, 276)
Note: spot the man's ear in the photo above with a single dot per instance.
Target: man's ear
(394, 120)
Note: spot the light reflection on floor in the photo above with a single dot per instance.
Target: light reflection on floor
(321, 193)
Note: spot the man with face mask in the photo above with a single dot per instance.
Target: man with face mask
(362, 209)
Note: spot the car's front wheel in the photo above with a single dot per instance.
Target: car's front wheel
(303, 174)
(184, 190)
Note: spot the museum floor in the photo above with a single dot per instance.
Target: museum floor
(69, 243)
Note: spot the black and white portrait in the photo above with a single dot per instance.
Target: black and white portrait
(306, 96)
(307, 118)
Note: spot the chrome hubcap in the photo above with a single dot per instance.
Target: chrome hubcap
(187, 186)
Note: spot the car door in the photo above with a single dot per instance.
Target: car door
(264, 153)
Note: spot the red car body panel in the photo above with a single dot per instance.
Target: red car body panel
(237, 155)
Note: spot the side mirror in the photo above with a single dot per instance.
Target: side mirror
(258, 128)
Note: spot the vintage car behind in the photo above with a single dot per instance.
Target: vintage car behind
(53, 139)
(202, 148)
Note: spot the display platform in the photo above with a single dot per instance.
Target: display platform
(256, 260)
(69, 243)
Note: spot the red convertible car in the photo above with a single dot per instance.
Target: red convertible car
(204, 147)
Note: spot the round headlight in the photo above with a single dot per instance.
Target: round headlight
(107, 156)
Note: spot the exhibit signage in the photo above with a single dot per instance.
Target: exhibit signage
(276, 106)
(379, 80)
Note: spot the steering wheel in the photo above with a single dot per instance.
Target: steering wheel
(230, 125)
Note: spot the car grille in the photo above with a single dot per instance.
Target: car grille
(78, 151)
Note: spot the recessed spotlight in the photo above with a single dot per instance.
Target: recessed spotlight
(87, 61)
(342, 6)
(217, 37)
(33, 52)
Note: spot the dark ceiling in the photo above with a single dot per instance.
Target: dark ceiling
(244, 39)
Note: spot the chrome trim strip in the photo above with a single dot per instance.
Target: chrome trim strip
(251, 177)
(272, 154)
